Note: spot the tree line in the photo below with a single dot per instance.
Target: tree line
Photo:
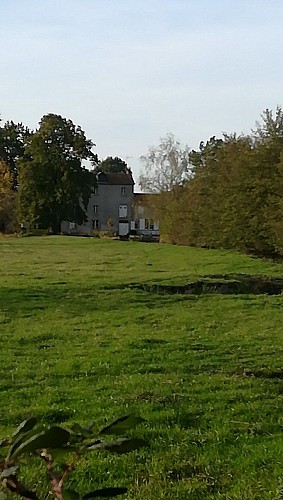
(43, 179)
(227, 194)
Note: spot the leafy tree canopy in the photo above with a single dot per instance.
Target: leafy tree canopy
(53, 184)
(7, 199)
(207, 151)
(113, 165)
(271, 126)
(13, 138)
(234, 197)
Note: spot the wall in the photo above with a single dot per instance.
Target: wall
(107, 198)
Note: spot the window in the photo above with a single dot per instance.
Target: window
(123, 211)
(95, 209)
(123, 191)
(72, 225)
(94, 189)
(149, 224)
(136, 223)
(95, 224)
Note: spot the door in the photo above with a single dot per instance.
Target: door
(123, 228)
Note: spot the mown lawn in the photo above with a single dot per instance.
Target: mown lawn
(206, 371)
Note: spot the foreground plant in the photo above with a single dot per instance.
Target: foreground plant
(34, 439)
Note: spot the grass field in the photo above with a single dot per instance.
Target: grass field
(206, 371)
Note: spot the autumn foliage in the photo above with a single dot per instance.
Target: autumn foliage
(234, 197)
(7, 200)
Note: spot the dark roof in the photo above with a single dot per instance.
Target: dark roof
(113, 178)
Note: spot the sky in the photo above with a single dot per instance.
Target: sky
(131, 71)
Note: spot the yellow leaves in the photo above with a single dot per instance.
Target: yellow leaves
(6, 180)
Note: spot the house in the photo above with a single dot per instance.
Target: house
(113, 207)
(109, 207)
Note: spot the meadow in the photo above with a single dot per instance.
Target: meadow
(81, 342)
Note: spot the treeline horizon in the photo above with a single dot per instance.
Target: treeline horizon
(232, 196)
(227, 194)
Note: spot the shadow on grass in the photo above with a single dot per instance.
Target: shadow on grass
(77, 300)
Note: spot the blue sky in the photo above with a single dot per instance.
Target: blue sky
(130, 71)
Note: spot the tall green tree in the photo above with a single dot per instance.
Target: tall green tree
(230, 197)
(237, 190)
(270, 128)
(268, 138)
(8, 195)
(217, 190)
(114, 165)
(13, 139)
(53, 184)
(207, 152)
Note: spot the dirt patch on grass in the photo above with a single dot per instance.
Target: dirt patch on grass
(222, 284)
(269, 374)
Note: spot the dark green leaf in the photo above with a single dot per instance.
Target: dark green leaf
(79, 433)
(54, 437)
(119, 446)
(61, 454)
(123, 424)
(78, 429)
(106, 493)
(85, 445)
(23, 438)
(3, 442)
(76, 438)
(10, 471)
(25, 426)
(90, 427)
(70, 494)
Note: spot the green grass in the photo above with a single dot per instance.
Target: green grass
(205, 371)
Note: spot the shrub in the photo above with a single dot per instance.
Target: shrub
(36, 439)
